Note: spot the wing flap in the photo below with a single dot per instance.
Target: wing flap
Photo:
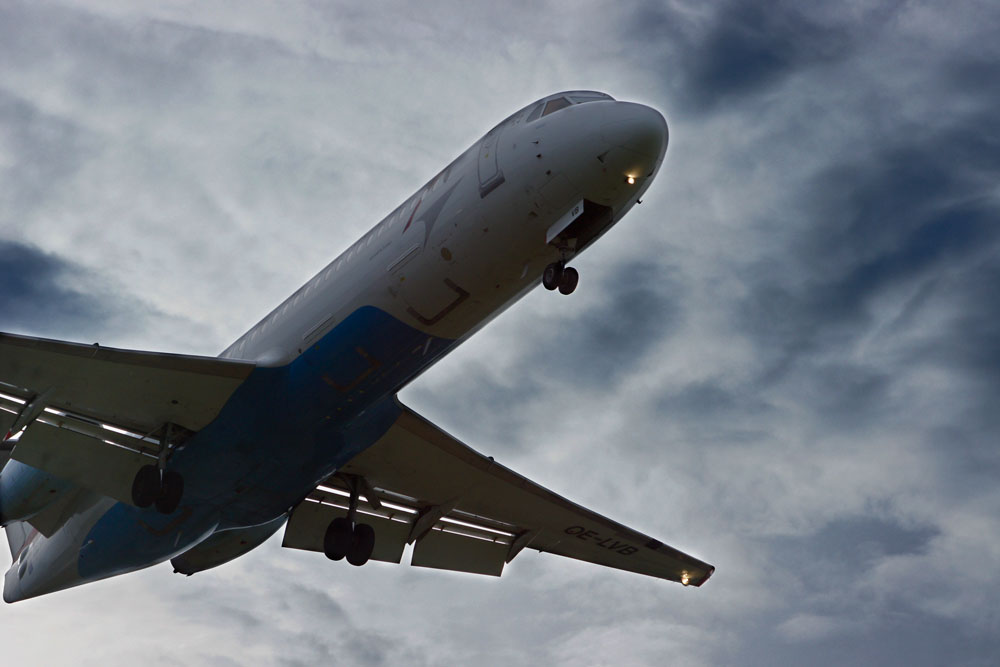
(308, 523)
(446, 550)
(99, 465)
(471, 514)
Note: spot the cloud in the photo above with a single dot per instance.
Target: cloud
(47, 295)
(749, 47)
(810, 627)
(784, 361)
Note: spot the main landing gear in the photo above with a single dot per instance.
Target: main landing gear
(345, 537)
(154, 485)
(558, 275)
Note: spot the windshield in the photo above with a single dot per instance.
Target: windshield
(551, 105)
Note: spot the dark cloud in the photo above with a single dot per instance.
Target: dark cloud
(845, 546)
(48, 296)
(975, 333)
(908, 216)
(898, 638)
(718, 411)
(595, 348)
(739, 49)
(41, 294)
(639, 309)
(491, 419)
(750, 47)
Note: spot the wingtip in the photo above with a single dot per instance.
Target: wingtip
(708, 575)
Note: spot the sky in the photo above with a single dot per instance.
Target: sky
(785, 362)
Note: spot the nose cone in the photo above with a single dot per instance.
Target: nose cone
(636, 128)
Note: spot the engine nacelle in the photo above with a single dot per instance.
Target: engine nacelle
(25, 491)
(224, 546)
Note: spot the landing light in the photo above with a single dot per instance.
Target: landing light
(684, 578)
(630, 180)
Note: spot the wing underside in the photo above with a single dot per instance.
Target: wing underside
(463, 511)
(93, 415)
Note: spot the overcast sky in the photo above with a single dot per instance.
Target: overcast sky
(786, 361)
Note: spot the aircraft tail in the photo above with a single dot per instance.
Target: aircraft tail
(17, 534)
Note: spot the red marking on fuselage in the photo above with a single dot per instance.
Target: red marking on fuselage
(412, 214)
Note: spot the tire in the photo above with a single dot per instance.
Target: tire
(146, 486)
(570, 279)
(338, 538)
(552, 276)
(171, 492)
(362, 545)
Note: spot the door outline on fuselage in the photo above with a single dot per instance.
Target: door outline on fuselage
(462, 295)
(407, 267)
(490, 174)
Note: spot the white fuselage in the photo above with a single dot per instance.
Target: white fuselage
(493, 247)
(456, 253)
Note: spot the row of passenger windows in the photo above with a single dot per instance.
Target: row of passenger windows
(400, 215)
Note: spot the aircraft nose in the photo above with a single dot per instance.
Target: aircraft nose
(637, 128)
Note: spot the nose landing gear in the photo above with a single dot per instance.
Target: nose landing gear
(559, 276)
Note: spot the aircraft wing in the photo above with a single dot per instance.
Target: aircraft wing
(466, 512)
(94, 414)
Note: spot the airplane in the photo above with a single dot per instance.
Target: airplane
(115, 460)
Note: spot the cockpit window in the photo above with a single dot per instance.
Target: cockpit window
(545, 107)
(581, 98)
(555, 105)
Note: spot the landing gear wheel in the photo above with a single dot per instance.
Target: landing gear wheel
(338, 538)
(171, 491)
(552, 276)
(570, 279)
(146, 487)
(361, 545)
